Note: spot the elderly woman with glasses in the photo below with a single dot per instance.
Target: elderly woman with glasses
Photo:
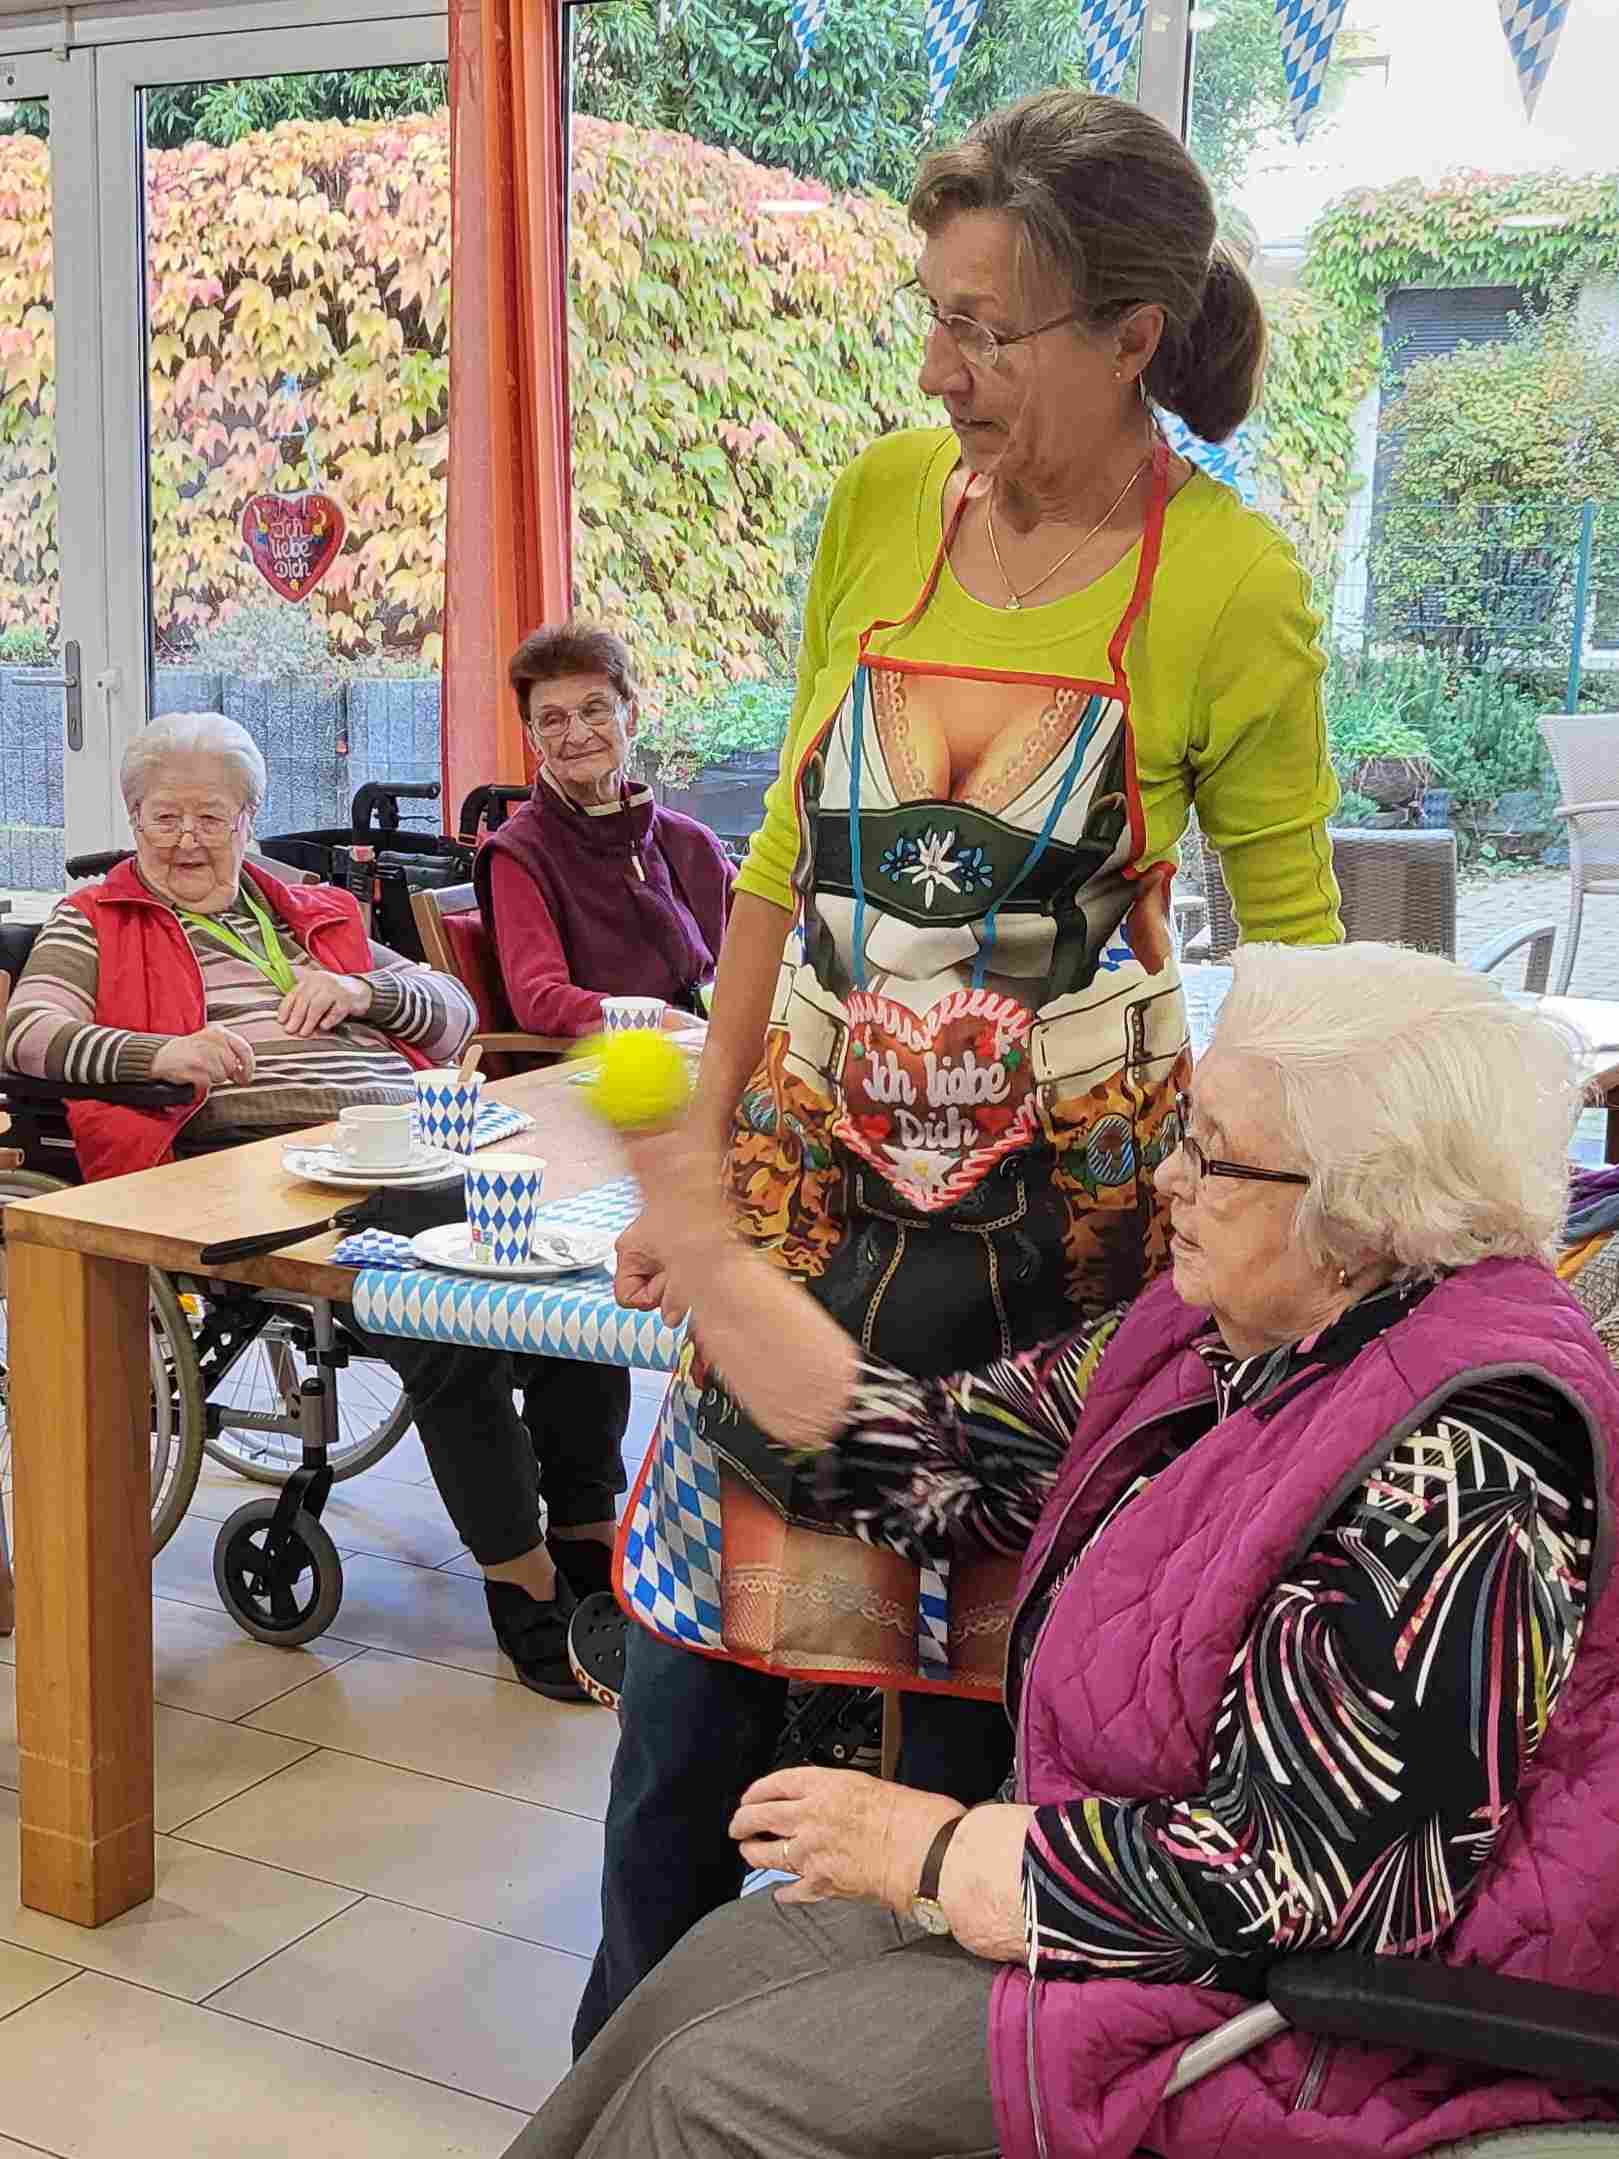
(191, 964)
(592, 889)
(1315, 1644)
(1034, 639)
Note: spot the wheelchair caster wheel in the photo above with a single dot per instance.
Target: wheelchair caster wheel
(281, 1582)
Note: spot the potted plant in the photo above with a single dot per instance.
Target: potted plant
(31, 719)
(713, 759)
(279, 677)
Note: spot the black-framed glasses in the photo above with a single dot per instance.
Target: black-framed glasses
(978, 344)
(1207, 1165)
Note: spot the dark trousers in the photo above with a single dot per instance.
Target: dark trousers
(493, 1467)
(695, 1732)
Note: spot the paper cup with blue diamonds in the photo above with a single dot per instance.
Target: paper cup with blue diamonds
(447, 1109)
(503, 1191)
(621, 1015)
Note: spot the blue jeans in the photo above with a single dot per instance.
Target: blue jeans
(695, 1733)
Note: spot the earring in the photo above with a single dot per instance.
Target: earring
(1343, 1277)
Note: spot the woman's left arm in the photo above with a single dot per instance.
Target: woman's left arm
(1262, 782)
(411, 1003)
(1374, 1729)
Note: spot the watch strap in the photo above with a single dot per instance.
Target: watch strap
(933, 1865)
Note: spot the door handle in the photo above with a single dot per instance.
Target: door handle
(72, 688)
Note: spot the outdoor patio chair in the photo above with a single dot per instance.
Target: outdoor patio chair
(1397, 887)
(1584, 749)
(457, 943)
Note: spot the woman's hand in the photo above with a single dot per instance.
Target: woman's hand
(212, 1057)
(319, 1001)
(640, 1276)
(682, 1225)
(841, 1833)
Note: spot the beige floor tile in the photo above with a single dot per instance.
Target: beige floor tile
(419, 1612)
(466, 2007)
(205, 1663)
(389, 1516)
(456, 1724)
(492, 1861)
(99, 2070)
(212, 1918)
(24, 1976)
(184, 1569)
(200, 1761)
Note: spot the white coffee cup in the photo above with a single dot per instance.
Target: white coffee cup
(620, 1014)
(375, 1135)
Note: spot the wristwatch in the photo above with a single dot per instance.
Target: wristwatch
(926, 1909)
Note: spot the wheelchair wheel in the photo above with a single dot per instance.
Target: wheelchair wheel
(281, 1584)
(177, 1411)
(262, 1440)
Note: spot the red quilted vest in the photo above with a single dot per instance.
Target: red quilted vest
(149, 982)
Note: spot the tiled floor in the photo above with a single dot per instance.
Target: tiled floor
(377, 1874)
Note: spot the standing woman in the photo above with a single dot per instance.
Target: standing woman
(1033, 641)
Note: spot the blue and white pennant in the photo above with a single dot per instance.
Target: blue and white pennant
(1532, 29)
(1308, 28)
(1111, 29)
(806, 18)
(946, 27)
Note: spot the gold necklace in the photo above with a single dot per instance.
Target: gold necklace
(1014, 598)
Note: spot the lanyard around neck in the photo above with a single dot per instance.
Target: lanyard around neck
(271, 961)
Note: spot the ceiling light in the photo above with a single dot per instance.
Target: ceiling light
(790, 206)
(1532, 221)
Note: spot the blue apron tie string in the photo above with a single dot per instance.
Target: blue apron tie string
(856, 873)
(1082, 742)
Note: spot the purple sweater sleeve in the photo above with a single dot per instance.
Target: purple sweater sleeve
(533, 965)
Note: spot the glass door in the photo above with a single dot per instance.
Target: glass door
(56, 692)
(276, 258)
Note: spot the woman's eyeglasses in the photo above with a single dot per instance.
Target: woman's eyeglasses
(166, 828)
(553, 723)
(1206, 1165)
(978, 344)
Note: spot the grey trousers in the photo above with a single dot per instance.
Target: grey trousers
(799, 2031)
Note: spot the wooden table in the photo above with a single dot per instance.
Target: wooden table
(79, 1388)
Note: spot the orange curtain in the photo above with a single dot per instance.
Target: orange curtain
(508, 544)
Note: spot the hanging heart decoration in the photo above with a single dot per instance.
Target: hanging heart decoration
(293, 540)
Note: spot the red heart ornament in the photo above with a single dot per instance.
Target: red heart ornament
(293, 540)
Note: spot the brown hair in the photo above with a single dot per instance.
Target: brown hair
(570, 648)
(1111, 201)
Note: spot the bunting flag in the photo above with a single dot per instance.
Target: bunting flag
(1308, 28)
(1111, 28)
(946, 27)
(806, 18)
(1231, 462)
(1532, 29)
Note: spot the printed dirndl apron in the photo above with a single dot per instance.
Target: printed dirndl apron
(969, 1078)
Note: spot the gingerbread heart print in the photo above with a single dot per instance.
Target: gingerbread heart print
(293, 540)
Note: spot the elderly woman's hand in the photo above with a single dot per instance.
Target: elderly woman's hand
(320, 1001)
(843, 1834)
(212, 1057)
(683, 1228)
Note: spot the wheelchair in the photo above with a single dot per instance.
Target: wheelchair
(261, 1382)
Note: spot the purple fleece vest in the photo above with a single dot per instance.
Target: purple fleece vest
(1120, 1696)
(639, 898)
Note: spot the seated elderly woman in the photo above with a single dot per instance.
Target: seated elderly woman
(271, 1003)
(1311, 1649)
(591, 889)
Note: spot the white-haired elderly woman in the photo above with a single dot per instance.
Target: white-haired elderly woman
(270, 1002)
(1311, 1648)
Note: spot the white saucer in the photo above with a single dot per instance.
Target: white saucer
(327, 1166)
(450, 1246)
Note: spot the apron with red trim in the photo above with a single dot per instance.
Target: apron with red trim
(969, 1078)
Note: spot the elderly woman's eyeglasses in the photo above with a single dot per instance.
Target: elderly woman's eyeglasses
(978, 344)
(166, 828)
(1207, 1165)
(597, 713)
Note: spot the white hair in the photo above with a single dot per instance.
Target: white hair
(1432, 1113)
(192, 734)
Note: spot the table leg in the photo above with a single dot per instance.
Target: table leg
(80, 1384)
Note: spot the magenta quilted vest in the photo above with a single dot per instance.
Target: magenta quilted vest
(1120, 1696)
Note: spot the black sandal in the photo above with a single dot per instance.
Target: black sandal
(596, 1637)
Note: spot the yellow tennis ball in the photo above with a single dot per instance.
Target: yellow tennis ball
(640, 1079)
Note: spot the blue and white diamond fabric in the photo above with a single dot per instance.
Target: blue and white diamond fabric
(671, 1575)
(946, 27)
(498, 1121)
(1533, 28)
(1111, 28)
(933, 1616)
(1308, 28)
(1231, 463)
(806, 18)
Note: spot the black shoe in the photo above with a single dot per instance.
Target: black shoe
(535, 1636)
(832, 1728)
(585, 1564)
(596, 1638)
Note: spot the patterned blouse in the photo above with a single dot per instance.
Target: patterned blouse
(1377, 1718)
